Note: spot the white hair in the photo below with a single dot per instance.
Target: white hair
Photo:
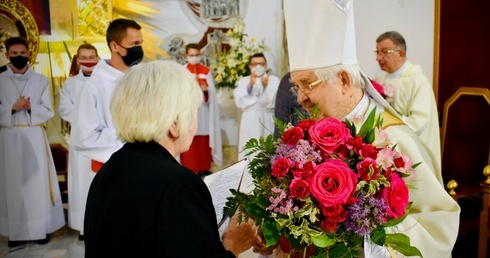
(327, 74)
(151, 97)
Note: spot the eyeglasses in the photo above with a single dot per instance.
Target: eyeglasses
(385, 52)
(310, 86)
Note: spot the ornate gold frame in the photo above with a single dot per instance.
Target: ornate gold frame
(28, 27)
(462, 91)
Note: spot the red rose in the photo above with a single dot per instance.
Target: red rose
(292, 136)
(303, 171)
(336, 212)
(399, 162)
(332, 182)
(281, 167)
(306, 124)
(299, 188)
(396, 196)
(329, 134)
(367, 169)
(329, 225)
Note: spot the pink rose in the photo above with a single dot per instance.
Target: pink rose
(333, 182)
(303, 171)
(329, 134)
(367, 169)
(299, 188)
(281, 167)
(292, 136)
(396, 196)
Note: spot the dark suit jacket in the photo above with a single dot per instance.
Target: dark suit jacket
(286, 108)
(143, 203)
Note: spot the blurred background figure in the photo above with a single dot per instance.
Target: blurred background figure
(413, 98)
(255, 95)
(206, 146)
(287, 109)
(79, 166)
(30, 199)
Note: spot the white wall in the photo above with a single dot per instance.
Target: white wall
(264, 20)
(414, 19)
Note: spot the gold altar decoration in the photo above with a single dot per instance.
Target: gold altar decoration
(93, 17)
(18, 21)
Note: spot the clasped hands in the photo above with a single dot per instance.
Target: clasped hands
(238, 238)
(22, 103)
(264, 79)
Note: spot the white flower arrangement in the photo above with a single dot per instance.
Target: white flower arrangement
(232, 65)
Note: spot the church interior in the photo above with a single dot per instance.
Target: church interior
(448, 38)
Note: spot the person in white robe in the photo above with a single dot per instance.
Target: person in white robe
(79, 166)
(93, 135)
(30, 200)
(411, 91)
(328, 78)
(206, 146)
(255, 95)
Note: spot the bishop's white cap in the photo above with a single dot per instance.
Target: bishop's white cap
(321, 33)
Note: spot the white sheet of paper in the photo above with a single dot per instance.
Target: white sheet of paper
(219, 184)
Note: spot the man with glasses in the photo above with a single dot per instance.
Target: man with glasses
(413, 95)
(327, 78)
(255, 95)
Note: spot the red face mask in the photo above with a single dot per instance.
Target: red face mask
(88, 66)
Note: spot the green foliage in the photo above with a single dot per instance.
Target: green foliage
(367, 129)
(401, 243)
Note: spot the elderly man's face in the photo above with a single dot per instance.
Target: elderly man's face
(328, 97)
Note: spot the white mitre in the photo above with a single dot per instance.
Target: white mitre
(321, 33)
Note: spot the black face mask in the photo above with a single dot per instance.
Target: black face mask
(19, 62)
(134, 55)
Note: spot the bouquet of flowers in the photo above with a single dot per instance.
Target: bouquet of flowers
(232, 65)
(324, 186)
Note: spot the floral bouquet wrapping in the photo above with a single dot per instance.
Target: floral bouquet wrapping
(324, 187)
(232, 65)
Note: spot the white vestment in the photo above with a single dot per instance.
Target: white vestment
(257, 105)
(433, 222)
(30, 200)
(93, 136)
(208, 120)
(80, 174)
(415, 102)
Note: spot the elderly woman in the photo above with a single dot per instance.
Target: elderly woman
(143, 203)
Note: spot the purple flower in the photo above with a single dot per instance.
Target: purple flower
(300, 154)
(365, 215)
